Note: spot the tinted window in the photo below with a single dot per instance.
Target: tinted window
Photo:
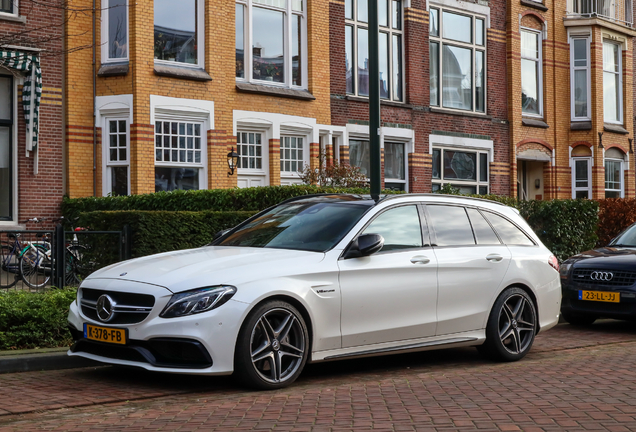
(509, 233)
(451, 225)
(310, 226)
(482, 229)
(400, 228)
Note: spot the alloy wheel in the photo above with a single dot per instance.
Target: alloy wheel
(516, 324)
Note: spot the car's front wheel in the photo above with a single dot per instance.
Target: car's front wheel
(511, 326)
(272, 347)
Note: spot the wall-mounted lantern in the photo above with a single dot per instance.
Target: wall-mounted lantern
(232, 161)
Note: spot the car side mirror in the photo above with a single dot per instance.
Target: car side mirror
(365, 245)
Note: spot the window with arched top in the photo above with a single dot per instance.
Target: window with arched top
(614, 184)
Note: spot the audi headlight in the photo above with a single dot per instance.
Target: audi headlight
(565, 270)
(197, 301)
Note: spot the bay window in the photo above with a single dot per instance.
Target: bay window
(457, 60)
(614, 160)
(580, 78)
(390, 48)
(271, 42)
(531, 73)
(612, 83)
(179, 155)
(179, 32)
(114, 30)
(464, 170)
(116, 140)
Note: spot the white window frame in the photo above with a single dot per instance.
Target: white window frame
(355, 24)
(477, 183)
(573, 69)
(621, 177)
(104, 34)
(405, 180)
(13, 150)
(201, 32)
(287, 45)
(576, 189)
(171, 109)
(474, 13)
(539, 61)
(14, 14)
(264, 150)
(620, 81)
(302, 162)
(108, 175)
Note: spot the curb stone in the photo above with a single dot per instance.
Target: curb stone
(41, 359)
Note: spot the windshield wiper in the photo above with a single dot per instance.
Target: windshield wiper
(621, 245)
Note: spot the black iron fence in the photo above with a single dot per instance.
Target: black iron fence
(39, 259)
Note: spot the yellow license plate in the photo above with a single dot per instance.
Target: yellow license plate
(105, 334)
(600, 296)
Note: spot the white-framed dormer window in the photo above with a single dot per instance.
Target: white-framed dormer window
(580, 82)
(114, 30)
(457, 46)
(8, 7)
(271, 42)
(179, 31)
(390, 48)
(116, 142)
(531, 73)
(612, 83)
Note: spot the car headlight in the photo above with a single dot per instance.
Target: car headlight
(565, 270)
(197, 301)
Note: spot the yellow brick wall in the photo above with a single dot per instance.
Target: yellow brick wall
(556, 98)
(141, 82)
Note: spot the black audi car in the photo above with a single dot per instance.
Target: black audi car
(601, 283)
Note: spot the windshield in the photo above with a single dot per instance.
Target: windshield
(309, 226)
(625, 239)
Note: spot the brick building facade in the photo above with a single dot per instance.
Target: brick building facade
(31, 182)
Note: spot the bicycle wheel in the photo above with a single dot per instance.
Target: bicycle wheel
(35, 267)
(73, 259)
(9, 271)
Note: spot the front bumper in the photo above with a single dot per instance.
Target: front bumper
(198, 344)
(624, 310)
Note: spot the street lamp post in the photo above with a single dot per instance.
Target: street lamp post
(374, 100)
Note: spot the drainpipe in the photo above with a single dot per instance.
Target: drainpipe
(94, 106)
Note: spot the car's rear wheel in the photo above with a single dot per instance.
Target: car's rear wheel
(578, 320)
(272, 347)
(511, 326)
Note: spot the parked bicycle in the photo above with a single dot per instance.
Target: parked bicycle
(12, 252)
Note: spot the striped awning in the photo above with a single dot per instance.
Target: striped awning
(31, 91)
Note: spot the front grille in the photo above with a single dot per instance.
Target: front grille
(619, 277)
(160, 352)
(131, 308)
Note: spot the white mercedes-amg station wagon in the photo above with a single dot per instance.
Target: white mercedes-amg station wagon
(326, 277)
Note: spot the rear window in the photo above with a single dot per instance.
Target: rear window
(509, 233)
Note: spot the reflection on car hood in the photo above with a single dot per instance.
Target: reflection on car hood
(208, 266)
(605, 258)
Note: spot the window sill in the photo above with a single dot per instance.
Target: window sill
(615, 128)
(113, 69)
(535, 5)
(459, 113)
(580, 125)
(274, 91)
(14, 18)
(534, 123)
(182, 72)
(382, 102)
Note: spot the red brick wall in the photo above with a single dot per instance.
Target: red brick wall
(40, 195)
(416, 112)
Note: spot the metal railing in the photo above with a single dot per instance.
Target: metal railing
(619, 11)
(29, 259)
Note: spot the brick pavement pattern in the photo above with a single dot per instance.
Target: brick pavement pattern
(573, 379)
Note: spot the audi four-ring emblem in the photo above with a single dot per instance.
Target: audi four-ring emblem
(601, 276)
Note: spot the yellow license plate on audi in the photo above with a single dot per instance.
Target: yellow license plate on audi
(600, 296)
(105, 334)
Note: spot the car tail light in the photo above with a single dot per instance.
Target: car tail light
(554, 262)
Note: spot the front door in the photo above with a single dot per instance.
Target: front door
(391, 295)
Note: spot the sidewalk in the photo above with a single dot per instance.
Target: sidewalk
(40, 359)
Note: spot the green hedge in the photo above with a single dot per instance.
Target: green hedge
(162, 231)
(245, 199)
(35, 320)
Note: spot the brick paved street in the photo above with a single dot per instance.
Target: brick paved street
(573, 379)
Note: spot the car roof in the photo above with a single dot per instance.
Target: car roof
(369, 200)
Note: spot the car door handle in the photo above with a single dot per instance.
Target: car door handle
(494, 257)
(420, 259)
